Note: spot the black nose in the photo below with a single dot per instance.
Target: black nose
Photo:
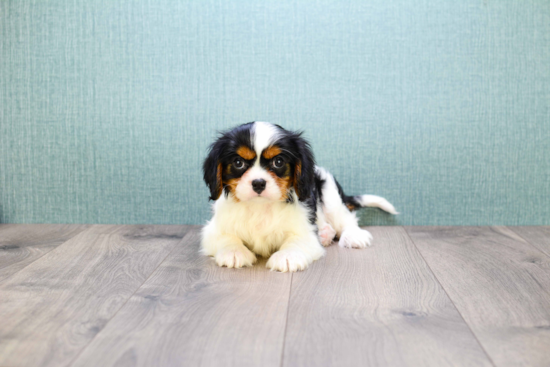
(258, 185)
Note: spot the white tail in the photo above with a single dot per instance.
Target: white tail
(376, 202)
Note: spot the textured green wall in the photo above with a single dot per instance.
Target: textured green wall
(107, 107)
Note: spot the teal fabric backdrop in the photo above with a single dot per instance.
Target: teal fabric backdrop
(108, 106)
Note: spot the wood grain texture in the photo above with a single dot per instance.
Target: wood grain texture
(379, 306)
(499, 283)
(192, 312)
(538, 236)
(21, 244)
(50, 310)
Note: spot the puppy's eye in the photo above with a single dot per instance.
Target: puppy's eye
(278, 162)
(238, 163)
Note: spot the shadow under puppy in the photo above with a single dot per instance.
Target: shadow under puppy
(272, 200)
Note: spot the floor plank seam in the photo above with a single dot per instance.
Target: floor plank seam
(511, 228)
(44, 254)
(187, 234)
(286, 320)
(450, 299)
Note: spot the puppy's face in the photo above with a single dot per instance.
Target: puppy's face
(249, 176)
(259, 161)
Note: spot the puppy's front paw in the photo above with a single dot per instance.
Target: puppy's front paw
(235, 257)
(355, 237)
(326, 235)
(287, 260)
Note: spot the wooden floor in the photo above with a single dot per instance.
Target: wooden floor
(101, 295)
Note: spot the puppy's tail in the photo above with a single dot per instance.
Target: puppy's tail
(362, 201)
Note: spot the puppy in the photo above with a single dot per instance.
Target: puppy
(272, 200)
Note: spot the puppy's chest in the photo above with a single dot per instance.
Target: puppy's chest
(262, 219)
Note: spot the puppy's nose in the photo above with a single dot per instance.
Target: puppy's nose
(258, 185)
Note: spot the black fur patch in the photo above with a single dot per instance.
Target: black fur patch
(224, 151)
(319, 183)
(296, 151)
(350, 201)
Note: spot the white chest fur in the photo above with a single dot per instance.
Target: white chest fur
(263, 225)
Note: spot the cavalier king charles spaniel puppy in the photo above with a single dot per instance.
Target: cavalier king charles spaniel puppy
(272, 200)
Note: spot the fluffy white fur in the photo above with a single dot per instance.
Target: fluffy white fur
(339, 218)
(261, 226)
(253, 224)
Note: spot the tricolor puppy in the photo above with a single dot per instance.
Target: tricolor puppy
(271, 200)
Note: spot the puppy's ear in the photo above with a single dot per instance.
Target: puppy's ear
(212, 169)
(304, 168)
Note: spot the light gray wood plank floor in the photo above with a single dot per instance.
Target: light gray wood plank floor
(52, 308)
(499, 283)
(538, 236)
(21, 244)
(380, 306)
(192, 312)
(144, 296)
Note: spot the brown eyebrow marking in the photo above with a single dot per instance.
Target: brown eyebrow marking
(246, 152)
(271, 152)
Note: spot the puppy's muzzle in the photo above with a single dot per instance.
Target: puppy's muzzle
(258, 185)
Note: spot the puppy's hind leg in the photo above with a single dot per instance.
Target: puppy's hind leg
(339, 215)
(355, 237)
(351, 236)
(326, 232)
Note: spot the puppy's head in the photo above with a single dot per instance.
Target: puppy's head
(260, 161)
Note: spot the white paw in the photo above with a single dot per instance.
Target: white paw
(235, 257)
(355, 237)
(326, 235)
(288, 260)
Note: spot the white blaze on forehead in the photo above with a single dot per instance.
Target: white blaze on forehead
(263, 135)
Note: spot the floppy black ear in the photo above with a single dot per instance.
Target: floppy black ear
(304, 168)
(212, 169)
